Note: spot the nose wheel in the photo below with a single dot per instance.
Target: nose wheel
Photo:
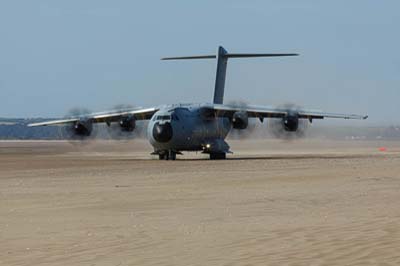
(167, 155)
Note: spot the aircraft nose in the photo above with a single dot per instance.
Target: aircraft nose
(162, 132)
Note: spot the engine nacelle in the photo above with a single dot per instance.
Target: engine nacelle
(291, 122)
(127, 123)
(240, 120)
(82, 128)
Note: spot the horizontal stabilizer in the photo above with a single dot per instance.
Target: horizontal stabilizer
(257, 55)
(226, 56)
(190, 57)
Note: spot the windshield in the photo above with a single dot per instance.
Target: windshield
(163, 117)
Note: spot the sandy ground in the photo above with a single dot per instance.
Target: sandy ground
(310, 202)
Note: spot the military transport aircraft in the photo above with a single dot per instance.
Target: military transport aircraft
(196, 127)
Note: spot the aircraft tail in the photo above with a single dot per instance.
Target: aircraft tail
(222, 62)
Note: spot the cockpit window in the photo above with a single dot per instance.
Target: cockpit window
(164, 117)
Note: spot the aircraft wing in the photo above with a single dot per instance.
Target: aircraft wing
(261, 112)
(103, 117)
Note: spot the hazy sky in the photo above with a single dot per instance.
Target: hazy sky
(56, 55)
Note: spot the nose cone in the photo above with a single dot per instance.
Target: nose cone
(162, 132)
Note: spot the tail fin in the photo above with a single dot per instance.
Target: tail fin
(222, 62)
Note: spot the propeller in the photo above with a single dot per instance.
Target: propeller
(127, 127)
(80, 131)
(289, 127)
(251, 127)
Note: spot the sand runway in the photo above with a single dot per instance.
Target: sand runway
(311, 202)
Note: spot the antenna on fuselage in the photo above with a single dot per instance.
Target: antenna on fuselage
(222, 62)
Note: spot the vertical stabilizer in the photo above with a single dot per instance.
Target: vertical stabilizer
(222, 62)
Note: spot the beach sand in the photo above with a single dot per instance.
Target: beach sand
(309, 202)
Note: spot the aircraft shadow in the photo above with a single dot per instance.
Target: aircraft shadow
(267, 157)
(284, 157)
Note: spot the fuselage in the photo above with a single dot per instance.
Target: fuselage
(185, 127)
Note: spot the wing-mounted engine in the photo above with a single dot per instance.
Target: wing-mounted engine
(79, 130)
(82, 128)
(122, 128)
(291, 126)
(240, 120)
(291, 121)
(127, 123)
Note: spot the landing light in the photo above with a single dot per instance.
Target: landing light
(208, 146)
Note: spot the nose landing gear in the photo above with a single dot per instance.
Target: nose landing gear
(167, 155)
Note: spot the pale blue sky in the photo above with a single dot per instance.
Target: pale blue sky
(56, 55)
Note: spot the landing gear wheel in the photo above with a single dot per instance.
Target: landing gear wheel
(218, 156)
(172, 155)
(167, 155)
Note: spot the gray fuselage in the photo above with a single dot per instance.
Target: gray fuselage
(186, 128)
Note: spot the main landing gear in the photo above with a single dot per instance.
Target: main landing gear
(218, 156)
